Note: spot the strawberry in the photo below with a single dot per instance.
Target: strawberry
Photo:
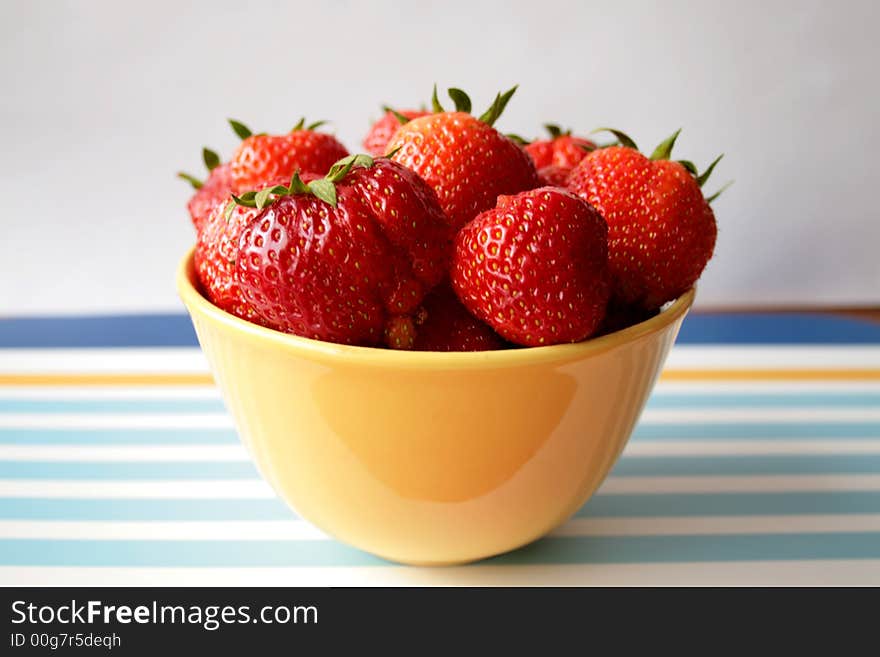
(209, 193)
(464, 159)
(446, 325)
(346, 258)
(555, 157)
(381, 132)
(661, 231)
(216, 251)
(553, 176)
(561, 150)
(535, 268)
(265, 157)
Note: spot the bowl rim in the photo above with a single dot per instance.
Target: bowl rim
(196, 303)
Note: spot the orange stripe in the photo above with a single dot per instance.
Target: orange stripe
(667, 375)
(106, 379)
(772, 375)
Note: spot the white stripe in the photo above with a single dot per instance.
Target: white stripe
(713, 447)
(290, 530)
(751, 414)
(112, 489)
(774, 356)
(116, 421)
(191, 360)
(99, 393)
(697, 388)
(713, 387)
(840, 572)
(230, 453)
(736, 484)
(300, 530)
(155, 360)
(258, 489)
(222, 420)
(123, 453)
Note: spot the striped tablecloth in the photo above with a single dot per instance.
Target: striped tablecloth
(757, 461)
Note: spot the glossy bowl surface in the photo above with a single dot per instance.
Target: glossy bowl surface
(431, 458)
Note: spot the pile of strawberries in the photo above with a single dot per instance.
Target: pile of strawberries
(449, 235)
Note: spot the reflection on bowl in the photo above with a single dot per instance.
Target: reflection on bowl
(431, 458)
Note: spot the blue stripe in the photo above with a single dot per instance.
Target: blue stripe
(629, 466)
(175, 330)
(776, 328)
(117, 437)
(552, 550)
(659, 400)
(600, 506)
(786, 464)
(145, 470)
(749, 430)
(153, 330)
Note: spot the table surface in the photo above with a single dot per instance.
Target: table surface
(756, 461)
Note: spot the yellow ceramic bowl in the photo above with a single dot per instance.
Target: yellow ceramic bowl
(431, 458)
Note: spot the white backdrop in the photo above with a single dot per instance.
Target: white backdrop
(103, 101)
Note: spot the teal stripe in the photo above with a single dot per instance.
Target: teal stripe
(117, 436)
(601, 506)
(552, 550)
(681, 549)
(209, 405)
(151, 470)
(749, 430)
(191, 554)
(629, 466)
(659, 400)
(688, 431)
(782, 464)
(824, 399)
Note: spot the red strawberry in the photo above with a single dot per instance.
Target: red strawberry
(464, 159)
(209, 193)
(347, 257)
(381, 132)
(448, 326)
(561, 150)
(267, 157)
(535, 268)
(661, 231)
(553, 176)
(216, 252)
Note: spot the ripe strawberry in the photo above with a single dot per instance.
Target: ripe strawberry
(266, 157)
(448, 326)
(381, 132)
(464, 159)
(553, 176)
(535, 268)
(209, 193)
(216, 251)
(661, 231)
(345, 258)
(561, 150)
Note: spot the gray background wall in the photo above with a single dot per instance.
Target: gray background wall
(103, 101)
